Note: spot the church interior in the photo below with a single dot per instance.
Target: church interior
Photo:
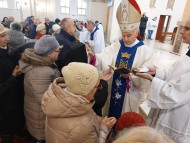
(165, 40)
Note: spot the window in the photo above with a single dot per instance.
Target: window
(65, 6)
(3, 4)
(17, 5)
(82, 6)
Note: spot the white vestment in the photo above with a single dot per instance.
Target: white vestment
(83, 35)
(139, 86)
(169, 98)
(97, 45)
(102, 30)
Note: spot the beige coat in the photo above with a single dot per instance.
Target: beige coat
(39, 74)
(69, 120)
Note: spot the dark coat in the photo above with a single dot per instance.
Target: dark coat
(67, 41)
(11, 93)
(11, 96)
(47, 27)
(143, 22)
(100, 97)
(32, 28)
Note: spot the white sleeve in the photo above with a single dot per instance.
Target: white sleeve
(169, 94)
(107, 57)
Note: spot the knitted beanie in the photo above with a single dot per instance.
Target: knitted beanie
(129, 119)
(57, 20)
(46, 45)
(56, 27)
(16, 26)
(15, 38)
(40, 27)
(80, 78)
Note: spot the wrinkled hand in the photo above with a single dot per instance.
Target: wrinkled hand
(16, 72)
(89, 51)
(109, 122)
(61, 82)
(106, 75)
(144, 75)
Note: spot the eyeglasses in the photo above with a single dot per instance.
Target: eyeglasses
(99, 87)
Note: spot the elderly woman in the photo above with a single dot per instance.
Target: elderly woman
(41, 30)
(68, 105)
(40, 71)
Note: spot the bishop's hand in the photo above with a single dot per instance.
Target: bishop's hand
(144, 75)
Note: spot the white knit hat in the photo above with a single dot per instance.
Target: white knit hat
(56, 27)
(128, 15)
(80, 78)
(40, 27)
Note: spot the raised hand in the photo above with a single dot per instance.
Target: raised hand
(109, 122)
(106, 75)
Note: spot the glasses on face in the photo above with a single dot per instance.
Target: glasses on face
(99, 87)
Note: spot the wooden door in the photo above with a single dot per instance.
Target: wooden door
(160, 26)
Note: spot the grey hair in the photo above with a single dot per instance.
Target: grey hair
(143, 134)
(65, 23)
(91, 22)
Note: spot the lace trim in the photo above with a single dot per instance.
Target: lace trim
(177, 137)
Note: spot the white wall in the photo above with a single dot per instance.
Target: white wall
(95, 11)
(176, 14)
(73, 11)
(45, 8)
(98, 11)
(5, 12)
(113, 32)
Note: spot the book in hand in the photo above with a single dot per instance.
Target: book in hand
(121, 70)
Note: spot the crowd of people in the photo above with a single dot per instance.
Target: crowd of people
(60, 83)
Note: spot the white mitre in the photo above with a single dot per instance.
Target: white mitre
(128, 15)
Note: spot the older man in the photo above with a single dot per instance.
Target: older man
(66, 38)
(47, 25)
(169, 96)
(95, 37)
(127, 91)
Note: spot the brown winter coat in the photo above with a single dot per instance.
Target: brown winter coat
(69, 120)
(39, 74)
